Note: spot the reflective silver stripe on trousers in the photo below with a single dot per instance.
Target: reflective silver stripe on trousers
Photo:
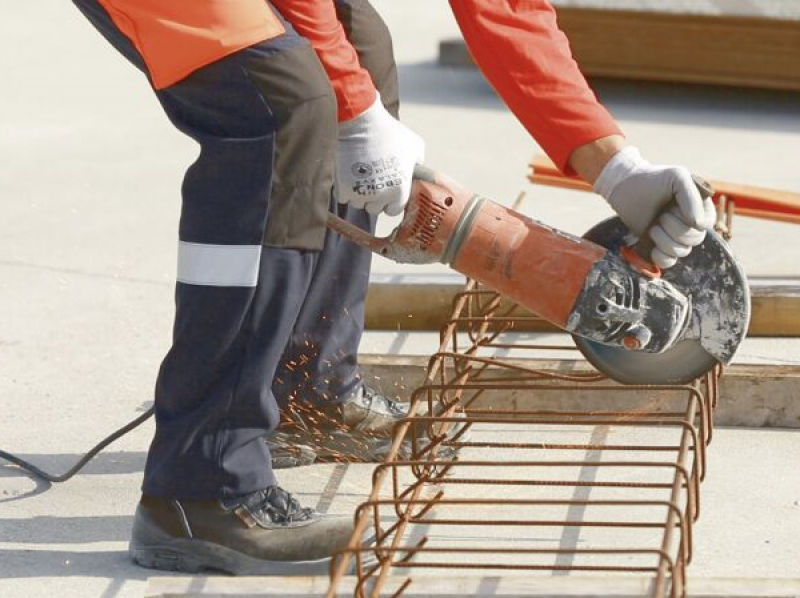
(218, 265)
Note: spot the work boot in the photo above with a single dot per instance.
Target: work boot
(367, 412)
(263, 533)
(285, 454)
(359, 429)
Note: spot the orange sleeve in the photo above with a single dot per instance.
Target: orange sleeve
(316, 20)
(526, 57)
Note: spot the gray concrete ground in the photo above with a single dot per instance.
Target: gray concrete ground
(90, 180)
(71, 540)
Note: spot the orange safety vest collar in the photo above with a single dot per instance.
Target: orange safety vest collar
(177, 37)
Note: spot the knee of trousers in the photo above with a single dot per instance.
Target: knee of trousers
(297, 90)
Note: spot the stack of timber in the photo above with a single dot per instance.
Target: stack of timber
(414, 303)
(747, 43)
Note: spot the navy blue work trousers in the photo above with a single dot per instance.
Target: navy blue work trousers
(269, 307)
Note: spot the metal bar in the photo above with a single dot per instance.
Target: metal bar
(458, 376)
(757, 202)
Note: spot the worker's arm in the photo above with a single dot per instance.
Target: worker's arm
(521, 51)
(589, 159)
(519, 47)
(316, 21)
(526, 57)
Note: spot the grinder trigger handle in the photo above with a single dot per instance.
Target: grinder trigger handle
(639, 254)
(353, 233)
(362, 238)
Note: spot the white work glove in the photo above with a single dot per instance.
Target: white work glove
(376, 159)
(638, 191)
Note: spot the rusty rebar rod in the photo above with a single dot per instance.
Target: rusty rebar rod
(444, 414)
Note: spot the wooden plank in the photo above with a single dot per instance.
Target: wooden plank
(421, 305)
(757, 45)
(753, 396)
(775, 311)
(767, 9)
(688, 48)
(756, 202)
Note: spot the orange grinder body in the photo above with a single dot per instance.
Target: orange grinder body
(635, 325)
(540, 268)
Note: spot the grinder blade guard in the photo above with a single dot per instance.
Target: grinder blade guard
(618, 306)
(717, 319)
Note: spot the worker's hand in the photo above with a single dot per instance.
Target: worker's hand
(638, 191)
(376, 159)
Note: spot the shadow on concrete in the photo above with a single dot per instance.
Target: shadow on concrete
(66, 530)
(39, 487)
(121, 462)
(118, 462)
(701, 105)
(682, 104)
(20, 563)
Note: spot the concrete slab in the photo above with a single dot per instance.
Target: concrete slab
(90, 183)
(71, 540)
(472, 586)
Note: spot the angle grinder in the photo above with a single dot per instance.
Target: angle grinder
(634, 323)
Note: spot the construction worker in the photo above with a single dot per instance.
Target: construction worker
(294, 105)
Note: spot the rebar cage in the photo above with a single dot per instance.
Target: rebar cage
(507, 466)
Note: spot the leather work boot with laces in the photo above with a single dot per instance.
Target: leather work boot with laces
(263, 533)
(367, 412)
(357, 430)
(285, 455)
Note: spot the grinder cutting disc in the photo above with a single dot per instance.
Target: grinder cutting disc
(720, 314)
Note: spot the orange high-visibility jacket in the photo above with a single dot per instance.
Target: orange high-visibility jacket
(516, 43)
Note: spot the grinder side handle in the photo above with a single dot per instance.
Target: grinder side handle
(639, 254)
(362, 238)
(357, 235)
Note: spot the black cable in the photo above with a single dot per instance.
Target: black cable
(31, 468)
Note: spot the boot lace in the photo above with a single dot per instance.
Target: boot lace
(375, 401)
(281, 507)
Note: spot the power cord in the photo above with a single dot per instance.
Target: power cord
(39, 473)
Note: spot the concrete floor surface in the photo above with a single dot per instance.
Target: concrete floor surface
(90, 184)
(71, 539)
